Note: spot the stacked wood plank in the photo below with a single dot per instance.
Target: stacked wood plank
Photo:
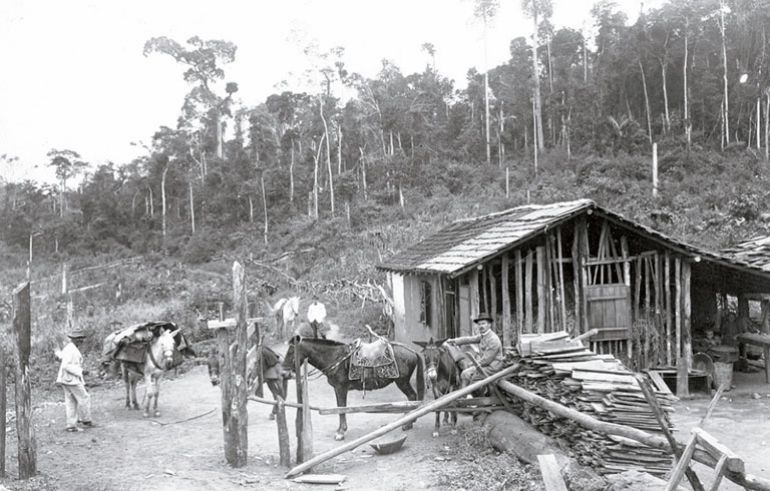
(599, 385)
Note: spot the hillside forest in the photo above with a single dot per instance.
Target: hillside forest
(316, 187)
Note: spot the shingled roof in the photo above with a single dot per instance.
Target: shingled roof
(465, 243)
(472, 240)
(754, 252)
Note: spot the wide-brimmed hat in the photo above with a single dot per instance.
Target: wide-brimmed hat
(77, 334)
(483, 317)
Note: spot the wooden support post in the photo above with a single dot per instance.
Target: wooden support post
(667, 300)
(550, 322)
(407, 418)
(24, 429)
(584, 251)
(687, 314)
(3, 407)
(518, 270)
(541, 300)
(562, 300)
(506, 300)
(682, 377)
(474, 294)
(577, 271)
(528, 320)
(64, 278)
(307, 423)
(283, 434)
(485, 289)
(658, 306)
(627, 281)
(492, 294)
(233, 383)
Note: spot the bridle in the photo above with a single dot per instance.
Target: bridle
(168, 354)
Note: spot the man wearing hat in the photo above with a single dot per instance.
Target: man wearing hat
(490, 357)
(77, 401)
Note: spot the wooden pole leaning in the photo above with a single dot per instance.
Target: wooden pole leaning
(407, 418)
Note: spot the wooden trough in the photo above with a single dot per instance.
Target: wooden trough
(385, 448)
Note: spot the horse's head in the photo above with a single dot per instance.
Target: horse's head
(166, 345)
(213, 364)
(432, 351)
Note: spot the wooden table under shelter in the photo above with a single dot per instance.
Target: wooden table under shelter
(756, 339)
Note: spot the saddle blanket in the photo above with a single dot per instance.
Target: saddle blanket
(372, 360)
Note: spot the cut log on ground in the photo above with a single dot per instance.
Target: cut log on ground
(511, 434)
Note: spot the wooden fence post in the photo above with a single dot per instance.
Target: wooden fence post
(234, 384)
(24, 428)
(283, 434)
(2, 411)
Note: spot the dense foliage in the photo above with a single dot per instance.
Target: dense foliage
(364, 166)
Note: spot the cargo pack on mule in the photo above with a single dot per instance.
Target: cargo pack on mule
(130, 344)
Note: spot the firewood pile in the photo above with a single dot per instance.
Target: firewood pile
(563, 370)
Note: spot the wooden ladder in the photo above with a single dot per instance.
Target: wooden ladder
(726, 459)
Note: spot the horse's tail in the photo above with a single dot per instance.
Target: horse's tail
(420, 378)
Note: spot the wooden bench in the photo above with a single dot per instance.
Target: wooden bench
(760, 340)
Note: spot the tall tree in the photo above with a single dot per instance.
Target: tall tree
(536, 9)
(486, 10)
(67, 164)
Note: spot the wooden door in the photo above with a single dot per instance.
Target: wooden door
(609, 311)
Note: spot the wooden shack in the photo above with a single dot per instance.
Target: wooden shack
(568, 266)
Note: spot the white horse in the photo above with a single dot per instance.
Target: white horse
(285, 311)
(158, 359)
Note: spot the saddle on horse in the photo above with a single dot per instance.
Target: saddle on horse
(375, 359)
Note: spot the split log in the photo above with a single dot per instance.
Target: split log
(25, 430)
(408, 418)
(283, 434)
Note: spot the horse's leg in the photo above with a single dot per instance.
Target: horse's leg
(341, 392)
(437, 425)
(275, 389)
(157, 393)
(406, 388)
(127, 383)
(149, 390)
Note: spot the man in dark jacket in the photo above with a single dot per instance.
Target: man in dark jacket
(490, 357)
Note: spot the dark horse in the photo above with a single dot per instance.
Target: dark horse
(272, 371)
(442, 375)
(333, 359)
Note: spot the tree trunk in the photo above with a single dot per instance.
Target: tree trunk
(339, 150)
(291, 174)
(665, 96)
(163, 199)
(687, 123)
(218, 123)
(192, 206)
(767, 125)
(328, 156)
(486, 94)
(315, 177)
(251, 210)
(646, 102)
(363, 172)
(726, 106)
(264, 203)
(536, 77)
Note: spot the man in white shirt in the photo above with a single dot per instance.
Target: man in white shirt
(77, 401)
(316, 315)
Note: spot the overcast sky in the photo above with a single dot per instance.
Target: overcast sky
(74, 76)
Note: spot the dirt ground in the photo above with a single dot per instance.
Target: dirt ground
(128, 452)
(741, 421)
(182, 449)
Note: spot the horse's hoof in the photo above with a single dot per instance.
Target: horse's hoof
(157, 414)
(435, 434)
(407, 427)
(271, 417)
(339, 437)
(136, 407)
(146, 414)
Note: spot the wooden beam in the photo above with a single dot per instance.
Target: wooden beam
(562, 300)
(687, 314)
(284, 449)
(717, 450)
(682, 378)
(667, 300)
(407, 418)
(549, 469)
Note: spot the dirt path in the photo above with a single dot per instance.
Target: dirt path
(129, 452)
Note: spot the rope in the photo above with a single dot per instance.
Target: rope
(183, 420)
